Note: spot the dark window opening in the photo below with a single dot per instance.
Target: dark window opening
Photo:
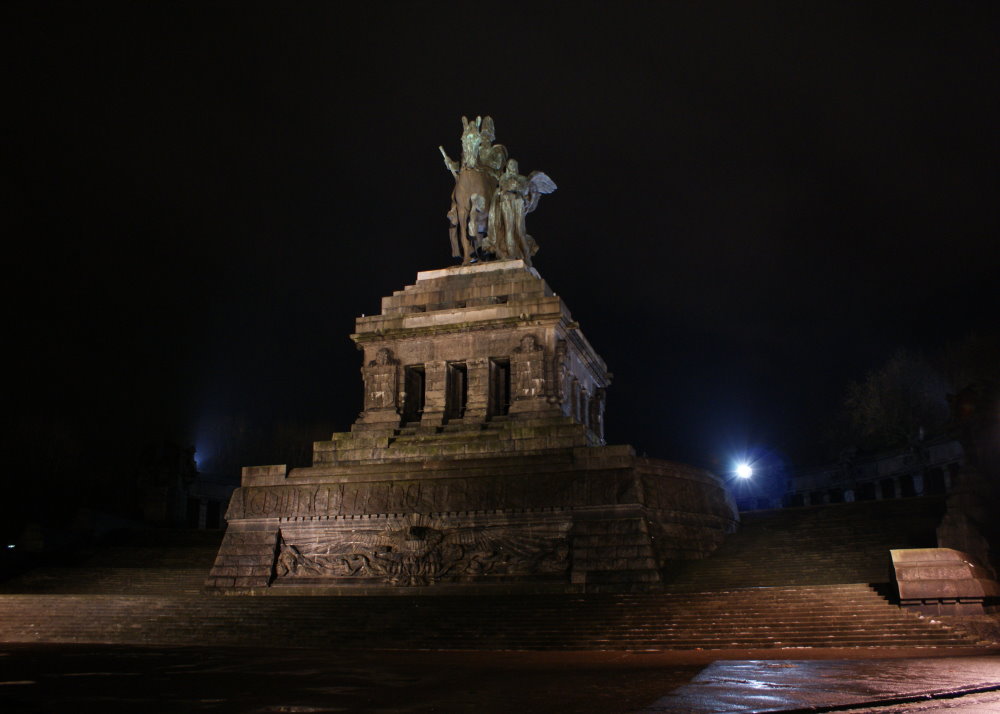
(835, 495)
(499, 387)
(888, 487)
(815, 498)
(458, 391)
(415, 382)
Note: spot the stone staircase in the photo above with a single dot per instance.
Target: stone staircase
(132, 563)
(790, 579)
(798, 616)
(817, 545)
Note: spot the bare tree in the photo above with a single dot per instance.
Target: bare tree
(898, 403)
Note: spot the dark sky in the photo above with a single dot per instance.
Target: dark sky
(757, 201)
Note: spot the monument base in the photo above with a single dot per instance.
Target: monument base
(587, 518)
(479, 460)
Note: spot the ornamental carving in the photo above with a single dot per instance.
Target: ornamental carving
(421, 550)
(527, 365)
(381, 380)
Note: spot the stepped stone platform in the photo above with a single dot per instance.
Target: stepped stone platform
(479, 460)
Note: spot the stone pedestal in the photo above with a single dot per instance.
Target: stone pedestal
(479, 459)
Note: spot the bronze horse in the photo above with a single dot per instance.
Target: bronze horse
(470, 210)
(476, 180)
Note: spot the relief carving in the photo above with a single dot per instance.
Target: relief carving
(560, 369)
(381, 380)
(420, 550)
(527, 363)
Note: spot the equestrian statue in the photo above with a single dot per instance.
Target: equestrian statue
(490, 198)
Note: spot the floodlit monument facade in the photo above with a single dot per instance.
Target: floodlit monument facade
(479, 458)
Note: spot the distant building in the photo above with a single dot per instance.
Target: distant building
(175, 493)
(925, 469)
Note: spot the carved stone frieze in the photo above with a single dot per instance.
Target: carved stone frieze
(421, 550)
(433, 495)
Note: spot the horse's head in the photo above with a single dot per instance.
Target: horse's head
(472, 141)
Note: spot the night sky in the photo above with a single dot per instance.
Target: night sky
(757, 201)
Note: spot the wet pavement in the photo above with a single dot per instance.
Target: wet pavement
(150, 680)
(983, 703)
(742, 687)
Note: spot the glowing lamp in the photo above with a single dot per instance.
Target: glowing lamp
(744, 471)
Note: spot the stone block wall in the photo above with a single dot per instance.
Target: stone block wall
(593, 517)
(501, 314)
(245, 560)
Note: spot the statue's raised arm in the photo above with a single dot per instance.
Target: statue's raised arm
(450, 163)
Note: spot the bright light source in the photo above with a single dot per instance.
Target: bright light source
(10, 545)
(744, 471)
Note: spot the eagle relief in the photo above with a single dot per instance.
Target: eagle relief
(421, 550)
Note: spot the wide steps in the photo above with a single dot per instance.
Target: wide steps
(839, 543)
(123, 581)
(787, 579)
(786, 617)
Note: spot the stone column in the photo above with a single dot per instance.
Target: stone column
(435, 393)
(478, 399)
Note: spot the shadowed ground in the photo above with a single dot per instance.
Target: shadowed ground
(106, 678)
(53, 678)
